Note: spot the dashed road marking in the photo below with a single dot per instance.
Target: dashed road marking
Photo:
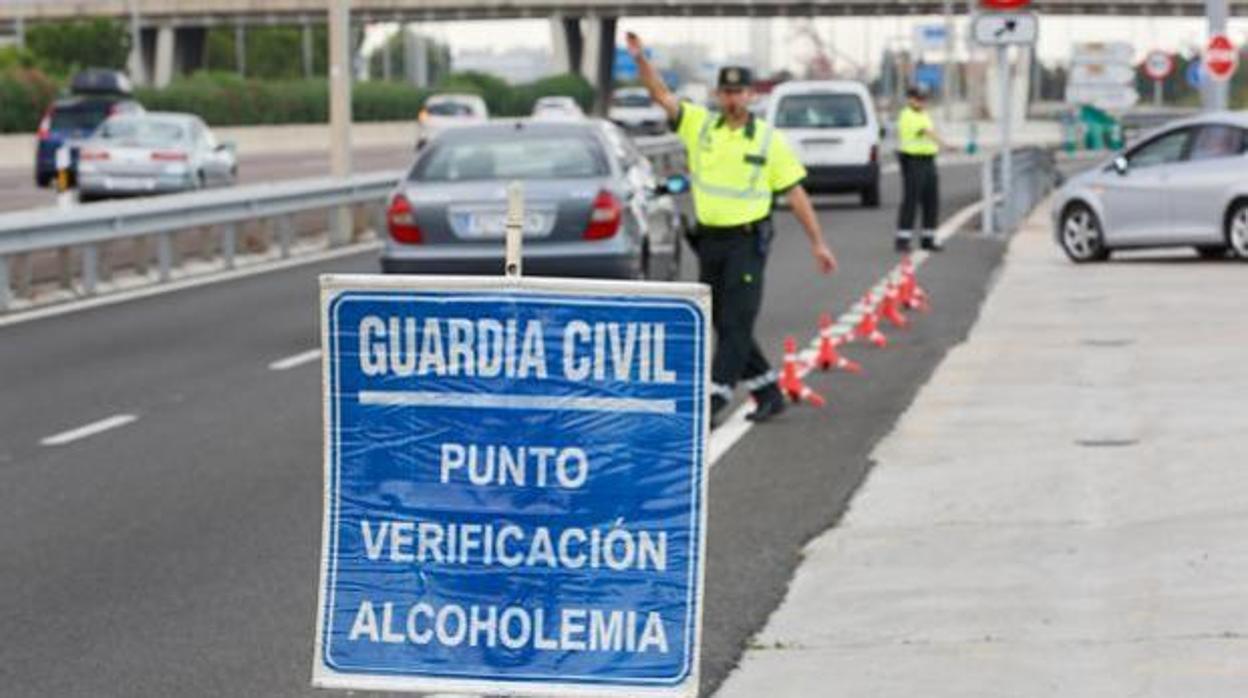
(304, 357)
(82, 432)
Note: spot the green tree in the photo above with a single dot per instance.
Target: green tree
(271, 53)
(61, 48)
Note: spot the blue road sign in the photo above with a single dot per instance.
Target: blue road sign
(1194, 75)
(514, 486)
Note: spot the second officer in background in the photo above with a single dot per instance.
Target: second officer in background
(917, 147)
(738, 164)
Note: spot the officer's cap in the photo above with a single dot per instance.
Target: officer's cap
(735, 77)
(917, 92)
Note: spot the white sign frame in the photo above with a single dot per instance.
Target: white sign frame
(324, 676)
(1005, 28)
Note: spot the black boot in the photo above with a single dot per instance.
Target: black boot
(930, 243)
(901, 244)
(770, 404)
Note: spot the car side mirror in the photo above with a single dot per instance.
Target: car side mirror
(675, 184)
(883, 133)
(1120, 165)
(227, 146)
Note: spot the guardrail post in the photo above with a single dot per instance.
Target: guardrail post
(6, 295)
(164, 255)
(90, 269)
(285, 234)
(229, 237)
(379, 221)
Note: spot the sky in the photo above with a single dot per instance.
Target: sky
(853, 38)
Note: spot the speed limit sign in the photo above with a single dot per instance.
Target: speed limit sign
(1158, 65)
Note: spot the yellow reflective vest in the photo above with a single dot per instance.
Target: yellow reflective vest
(913, 128)
(735, 173)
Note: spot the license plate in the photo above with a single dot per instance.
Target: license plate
(130, 183)
(494, 225)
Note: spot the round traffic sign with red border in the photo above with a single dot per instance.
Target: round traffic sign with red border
(1221, 58)
(1158, 65)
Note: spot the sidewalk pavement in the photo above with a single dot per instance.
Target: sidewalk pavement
(1063, 511)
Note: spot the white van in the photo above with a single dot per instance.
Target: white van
(833, 128)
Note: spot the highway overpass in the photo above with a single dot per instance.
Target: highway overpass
(215, 12)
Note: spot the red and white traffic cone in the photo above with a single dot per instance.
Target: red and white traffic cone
(868, 327)
(791, 377)
(890, 307)
(911, 294)
(828, 357)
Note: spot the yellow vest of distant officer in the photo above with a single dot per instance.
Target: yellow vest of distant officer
(913, 127)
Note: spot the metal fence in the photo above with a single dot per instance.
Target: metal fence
(85, 229)
(1032, 175)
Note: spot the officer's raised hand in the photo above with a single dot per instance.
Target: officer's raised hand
(650, 78)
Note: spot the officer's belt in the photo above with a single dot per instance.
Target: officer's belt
(750, 228)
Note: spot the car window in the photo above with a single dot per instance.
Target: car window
(143, 132)
(449, 109)
(1217, 142)
(631, 99)
(1162, 150)
(820, 111)
(553, 156)
(79, 117)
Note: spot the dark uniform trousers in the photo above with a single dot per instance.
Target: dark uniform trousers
(732, 264)
(918, 175)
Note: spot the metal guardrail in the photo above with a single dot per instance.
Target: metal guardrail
(1033, 174)
(88, 227)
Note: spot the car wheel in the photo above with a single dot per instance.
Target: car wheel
(1237, 230)
(1081, 237)
(1211, 251)
(871, 196)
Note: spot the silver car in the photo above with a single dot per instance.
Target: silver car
(152, 153)
(1183, 185)
(593, 207)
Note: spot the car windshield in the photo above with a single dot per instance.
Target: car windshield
(631, 99)
(449, 109)
(79, 117)
(821, 111)
(147, 132)
(513, 156)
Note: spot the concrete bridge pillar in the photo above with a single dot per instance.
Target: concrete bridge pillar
(587, 46)
(240, 49)
(162, 74)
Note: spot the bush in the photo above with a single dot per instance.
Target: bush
(25, 94)
(62, 48)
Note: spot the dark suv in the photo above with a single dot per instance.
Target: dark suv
(98, 94)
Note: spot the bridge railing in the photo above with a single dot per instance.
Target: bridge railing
(78, 234)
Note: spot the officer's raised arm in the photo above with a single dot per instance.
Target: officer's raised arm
(650, 78)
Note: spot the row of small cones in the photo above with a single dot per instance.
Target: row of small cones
(901, 293)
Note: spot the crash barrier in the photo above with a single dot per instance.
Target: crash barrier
(1032, 175)
(81, 232)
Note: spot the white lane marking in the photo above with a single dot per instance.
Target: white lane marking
(303, 357)
(737, 426)
(20, 316)
(82, 432)
(402, 398)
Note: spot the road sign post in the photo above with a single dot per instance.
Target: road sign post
(515, 485)
(1001, 30)
(1158, 65)
(1215, 92)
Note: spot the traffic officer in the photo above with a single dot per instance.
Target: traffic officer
(917, 145)
(738, 164)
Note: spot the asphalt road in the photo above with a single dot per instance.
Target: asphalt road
(18, 190)
(177, 555)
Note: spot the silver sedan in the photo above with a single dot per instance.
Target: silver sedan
(1183, 185)
(593, 207)
(153, 153)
